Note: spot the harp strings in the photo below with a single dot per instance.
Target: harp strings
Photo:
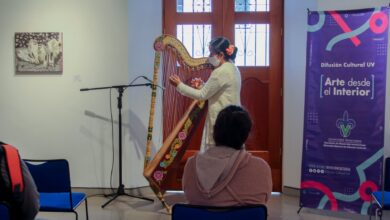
(174, 104)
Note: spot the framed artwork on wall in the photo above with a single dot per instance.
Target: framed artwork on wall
(38, 52)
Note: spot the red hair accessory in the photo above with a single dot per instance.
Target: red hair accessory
(230, 49)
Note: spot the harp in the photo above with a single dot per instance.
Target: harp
(183, 118)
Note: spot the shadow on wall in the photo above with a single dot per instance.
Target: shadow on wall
(138, 133)
(94, 115)
(103, 143)
(136, 130)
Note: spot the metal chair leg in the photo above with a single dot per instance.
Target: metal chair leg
(378, 212)
(370, 210)
(86, 209)
(77, 216)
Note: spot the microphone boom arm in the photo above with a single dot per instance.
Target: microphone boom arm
(116, 87)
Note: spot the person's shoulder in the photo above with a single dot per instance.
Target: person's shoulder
(229, 66)
(226, 69)
(191, 160)
(260, 162)
(189, 167)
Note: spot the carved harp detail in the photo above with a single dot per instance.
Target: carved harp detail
(182, 116)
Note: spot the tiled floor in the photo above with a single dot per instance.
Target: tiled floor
(280, 207)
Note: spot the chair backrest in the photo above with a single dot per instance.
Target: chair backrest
(50, 175)
(193, 212)
(387, 174)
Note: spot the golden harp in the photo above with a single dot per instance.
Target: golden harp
(183, 118)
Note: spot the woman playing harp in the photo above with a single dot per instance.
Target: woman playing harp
(183, 117)
(221, 89)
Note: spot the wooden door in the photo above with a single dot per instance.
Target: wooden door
(255, 27)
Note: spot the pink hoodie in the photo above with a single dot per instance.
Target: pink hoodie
(223, 176)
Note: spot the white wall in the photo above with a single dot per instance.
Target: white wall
(46, 116)
(295, 13)
(295, 20)
(146, 14)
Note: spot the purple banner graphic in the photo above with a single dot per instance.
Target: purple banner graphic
(344, 109)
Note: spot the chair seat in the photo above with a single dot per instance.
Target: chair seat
(378, 197)
(60, 201)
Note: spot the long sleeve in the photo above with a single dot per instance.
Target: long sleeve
(211, 87)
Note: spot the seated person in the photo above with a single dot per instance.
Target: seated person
(23, 200)
(227, 175)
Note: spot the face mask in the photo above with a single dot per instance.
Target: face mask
(214, 61)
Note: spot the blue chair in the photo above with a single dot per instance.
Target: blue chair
(194, 212)
(4, 211)
(382, 198)
(52, 178)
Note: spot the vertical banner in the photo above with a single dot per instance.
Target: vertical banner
(344, 109)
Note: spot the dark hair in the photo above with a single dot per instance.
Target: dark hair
(220, 44)
(232, 127)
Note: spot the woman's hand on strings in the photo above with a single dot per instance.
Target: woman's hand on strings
(197, 83)
(174, 80)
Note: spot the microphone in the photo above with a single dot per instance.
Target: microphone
(147, 79)
(151, 82)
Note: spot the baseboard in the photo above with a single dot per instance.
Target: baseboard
(291, 191)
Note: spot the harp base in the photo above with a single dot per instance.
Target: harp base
(160, 196)
(121, 192)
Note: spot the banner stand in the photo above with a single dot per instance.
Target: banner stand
(344, 118)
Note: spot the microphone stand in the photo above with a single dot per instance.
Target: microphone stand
(121, 187)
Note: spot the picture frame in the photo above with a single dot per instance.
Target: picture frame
(39, 52)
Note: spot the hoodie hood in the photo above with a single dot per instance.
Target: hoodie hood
(216, 167)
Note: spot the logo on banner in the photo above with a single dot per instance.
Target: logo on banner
(345, 125)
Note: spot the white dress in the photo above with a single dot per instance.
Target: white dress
(221, 89)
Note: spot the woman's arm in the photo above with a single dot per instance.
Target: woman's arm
(212, 86)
